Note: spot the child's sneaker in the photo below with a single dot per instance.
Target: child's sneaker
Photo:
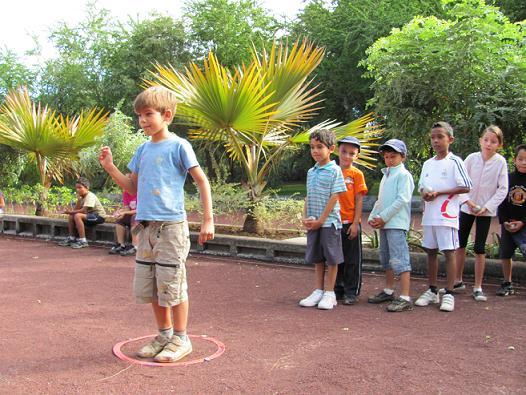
(328, 301)
(427, 297)
(67, 242)
(174, 350)
(313, 299)
(79, 244)
(457, 288)
(128, 250)
(116, 249)
(479, 296)
(448, 303)
(153, 348)
(506, 289)
(399, 304)
(380, 298)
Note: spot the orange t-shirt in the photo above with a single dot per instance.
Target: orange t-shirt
(355, 182)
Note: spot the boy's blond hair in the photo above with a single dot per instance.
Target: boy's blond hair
(157, 97)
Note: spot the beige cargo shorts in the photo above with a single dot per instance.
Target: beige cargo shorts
(160, 270)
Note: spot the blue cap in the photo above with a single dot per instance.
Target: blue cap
(397, 145)
(350, 140)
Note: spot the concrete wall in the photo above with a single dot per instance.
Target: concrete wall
(269, 250)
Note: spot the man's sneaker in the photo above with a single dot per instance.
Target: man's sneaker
(506, 289)
(175, 350)
(350, 300)
(479, 296)
(153, 348)
(116, 249)
(79, 244)
(457, 288)
(313, 299)
(448, 303)
(399, 304)
(128, 250)
(328, 301)
(426, 298)
(67, 242)
(380, 298)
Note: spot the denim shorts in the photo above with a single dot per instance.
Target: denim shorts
(510, 241)
(394, 251)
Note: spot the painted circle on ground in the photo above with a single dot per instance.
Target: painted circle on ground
(119, 354)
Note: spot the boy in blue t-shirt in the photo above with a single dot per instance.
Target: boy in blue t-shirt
(322, 219)
(158, 172)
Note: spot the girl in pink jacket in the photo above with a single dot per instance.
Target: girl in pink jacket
(489, 172)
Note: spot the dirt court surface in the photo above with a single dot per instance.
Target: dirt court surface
(63, 310)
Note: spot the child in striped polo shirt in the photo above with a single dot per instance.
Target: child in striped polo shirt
(322, 219)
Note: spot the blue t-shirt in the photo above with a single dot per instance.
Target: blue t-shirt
(161, 169)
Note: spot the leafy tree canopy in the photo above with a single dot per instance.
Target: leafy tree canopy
(468, 69)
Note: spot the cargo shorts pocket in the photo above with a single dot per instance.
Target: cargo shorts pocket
(172, 288)
(143, 283)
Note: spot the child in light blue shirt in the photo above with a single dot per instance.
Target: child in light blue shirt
(391, 214)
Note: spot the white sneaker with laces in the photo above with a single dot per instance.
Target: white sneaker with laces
(313, 299)
(448, 303)
(426, 298)
(328, 301)
(479, 296)
(174, 350)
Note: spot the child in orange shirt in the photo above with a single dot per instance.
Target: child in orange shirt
(349, 278)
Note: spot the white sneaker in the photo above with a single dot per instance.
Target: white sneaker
(328, 301)
(448, 303)
(174, 350)
(313, 299)
(426, 298)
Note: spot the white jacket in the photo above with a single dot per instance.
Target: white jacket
(490, 182)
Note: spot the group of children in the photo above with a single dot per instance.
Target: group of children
(456, 194)
(332, 217)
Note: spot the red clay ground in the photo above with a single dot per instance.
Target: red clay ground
(63, 310)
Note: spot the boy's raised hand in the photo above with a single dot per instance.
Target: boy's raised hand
(105, 157)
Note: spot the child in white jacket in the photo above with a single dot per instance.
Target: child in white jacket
(489, 173)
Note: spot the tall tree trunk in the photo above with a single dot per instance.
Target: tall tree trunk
(41, 206)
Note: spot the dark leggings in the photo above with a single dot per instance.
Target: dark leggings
(482, 225)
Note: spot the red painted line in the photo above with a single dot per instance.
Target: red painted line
(119, 354)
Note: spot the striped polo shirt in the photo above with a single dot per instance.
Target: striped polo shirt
(322, 182)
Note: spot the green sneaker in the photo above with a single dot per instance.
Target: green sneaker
(398, 305)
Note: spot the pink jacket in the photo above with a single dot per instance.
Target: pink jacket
(490, 182)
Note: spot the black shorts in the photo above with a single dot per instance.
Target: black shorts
(93, 219)
(126, 220)
(509, 242)
(482, 225)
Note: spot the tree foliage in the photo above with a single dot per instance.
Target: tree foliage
(229, 28)
(468, 69)
(346, 28)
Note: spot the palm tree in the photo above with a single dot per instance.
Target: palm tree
(256, 111)
(51, 140)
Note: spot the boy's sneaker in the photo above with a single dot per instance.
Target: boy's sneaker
(506, 289)
(380, 298)
(79, 244)
(328, 301)
(174, 350)
(153, 348)
(116, 249)
(67, 242)
(457, 288)
(427, 297)
(313, 299)
(398, 305)
(479, 296)
(448, 303)
(349, 300)
(128, 250)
